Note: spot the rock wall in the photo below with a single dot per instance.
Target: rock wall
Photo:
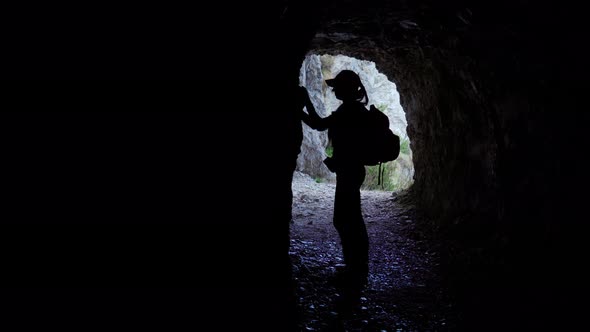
(313, 147)
(487, 89)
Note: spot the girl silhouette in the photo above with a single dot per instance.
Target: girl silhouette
(344, 128)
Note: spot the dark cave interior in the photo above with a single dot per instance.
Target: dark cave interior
(122, 201)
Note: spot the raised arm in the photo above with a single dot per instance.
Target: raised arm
(311, 118)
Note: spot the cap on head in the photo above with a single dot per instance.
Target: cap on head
(345, 78)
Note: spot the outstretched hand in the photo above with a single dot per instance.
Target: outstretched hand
(311, 117)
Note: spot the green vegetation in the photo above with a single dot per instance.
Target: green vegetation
(329, 151)
(381, 107)
(405, 146)
(372, 177)
(392, 171)
(393, 176)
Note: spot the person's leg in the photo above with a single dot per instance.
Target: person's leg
(349, 222)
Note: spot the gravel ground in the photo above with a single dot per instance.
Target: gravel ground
(404, 291)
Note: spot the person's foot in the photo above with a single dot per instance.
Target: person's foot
(340, 278)
(348, 300)
(348, 278)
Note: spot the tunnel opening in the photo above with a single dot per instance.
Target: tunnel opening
(398, 174)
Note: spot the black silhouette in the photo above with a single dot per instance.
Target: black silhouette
(344, 129)
(380, 143)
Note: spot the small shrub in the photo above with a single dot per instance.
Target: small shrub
(381, 107)
(405, 146)
(394, 176)
(329, 151)
(372, 177)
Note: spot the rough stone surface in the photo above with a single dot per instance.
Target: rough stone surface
(314, 143)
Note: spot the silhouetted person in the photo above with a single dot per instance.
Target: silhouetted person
(343, 127)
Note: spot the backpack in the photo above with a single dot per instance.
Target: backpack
(379, 143)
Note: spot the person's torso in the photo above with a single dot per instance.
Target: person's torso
(344, 132)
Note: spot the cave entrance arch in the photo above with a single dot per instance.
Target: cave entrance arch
(316, 68)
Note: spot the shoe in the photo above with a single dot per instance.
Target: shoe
(348, 301)
(339, 278)
(346, 278)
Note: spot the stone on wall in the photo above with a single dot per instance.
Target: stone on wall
(310, 160)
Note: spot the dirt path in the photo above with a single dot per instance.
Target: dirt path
(404, 292)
